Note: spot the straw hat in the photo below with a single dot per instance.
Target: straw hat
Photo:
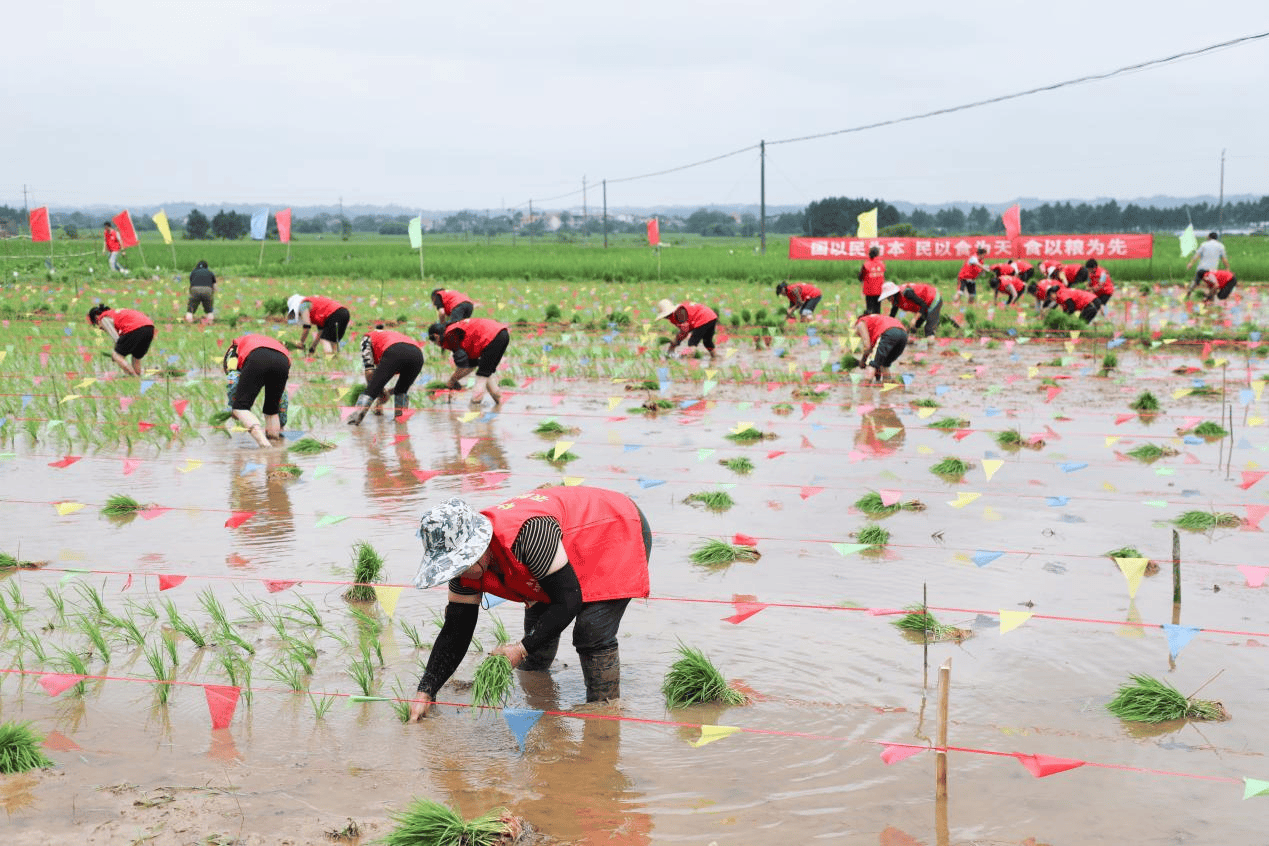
(888, 289)
(665, 308)
(454, 537)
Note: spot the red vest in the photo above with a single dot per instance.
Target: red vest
(1011, 283)
(247, 343)
(1101, 283)
(112, 240)
(1048, 267)
(477, 333)
(872, 275)
(697, 316)
(319, 309)
(1001, 269)
(928, 293)
(1217, 278)
(1020, 266)
(1049, 288)
(381, 339)
(603, 538)
(126, 319)
(451, 299)
(1079, 296)
(878, 323)
(1070, 271)
(801, 292)
(969, 272)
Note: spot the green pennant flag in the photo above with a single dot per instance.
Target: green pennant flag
(1189, 242)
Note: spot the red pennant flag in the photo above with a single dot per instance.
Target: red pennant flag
(56, 683)
(126, 584)
(744, 610)
(277, 586)
(180, 405)
(1051, 391)
(424, 475)
(1012, 219)
(169, 582)
(775, 453)
(40, 228)
(71, 459)
(809, 491)
(1255, 513)
(1043, 765)
(283, 219)
(58, 742)
(896, 752)
(126, 402)
(744, 540)
(962, 434)
(1250, 477)
(238, 518)
(654, 233)
(127, 234)
(222, 699)
(806, 443)
(144, 426)
(152, 512)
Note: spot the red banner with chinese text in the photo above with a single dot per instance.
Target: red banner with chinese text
(1070, 247)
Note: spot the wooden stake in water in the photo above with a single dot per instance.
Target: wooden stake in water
(925, 638)
(940, 754)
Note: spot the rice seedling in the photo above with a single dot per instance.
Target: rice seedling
(58, 602)
(926, 402)
(782, 408)
(12, 615)
(1125, 552)
(305, 606)
(35, 645)
(253, 608)
(920, 621)
(321, 705)
(310, 446)
(1145, 402)
(873, 535)
(412, 634)
(872, 505)
(214, 609)
(748, 436)
(20, 749)
(169, 643)
(550, 427)
(435, 385)
(950, 468)
(713, 500)
(400, 702)
(428, 822)
(810, 394)
(288, 673)
(1204, 521)
(303, 653)
(552, 458)
(1146, 699)
(491, 684)
(92, 597)
(9, 562)
(717, 553)
(121, 505)
(1009, 438)
(186, 628)
(127, 626)
(500, 631)
(350, 396)
(949, 423)
(162, 673)
(218, 418)
(143, 609)
(1147, 453)
(693, 679)
(72, 663)
(92, 630)
(362, 672)
(367, 570)
(1208, 429)
(741, 465)
(227, 633)
(1109, 362)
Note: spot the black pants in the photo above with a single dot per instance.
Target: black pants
(889, 347)
(336, 325)
(872, 305)
(135, 343)
(462, 311)
(264, 368)
(491, 355)
(703, 334)
(405, 361)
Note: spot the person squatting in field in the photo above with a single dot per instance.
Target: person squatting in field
(690, 319)
(477, 343)
(1218, 284)
(131, 331)
(966, 276)
(451, 306)
(1044, 290)
(1009, 285)
(1099, 281)
(884, 338)
(1022, 268)
(1072, 300)
(1210, 255)
(572, 555)
(202, 292)
(385, 354)
(328, 316)
(803, 298)
(872, 277)
(922, 300)
(262, 363)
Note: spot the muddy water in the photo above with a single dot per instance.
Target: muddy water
(830, 681)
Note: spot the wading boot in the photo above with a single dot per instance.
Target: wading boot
(400, 402)
(363, 405)
(602, 672)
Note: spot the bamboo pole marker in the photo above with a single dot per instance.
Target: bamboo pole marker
(940, 755)
(925, 638)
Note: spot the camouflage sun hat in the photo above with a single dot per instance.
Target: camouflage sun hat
(454, 537)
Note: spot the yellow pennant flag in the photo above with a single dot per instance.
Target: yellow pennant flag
(791, 366)
(1075, 334)
(84, 383)
(1221, 362)
(64, 508)
(925, 412)
(191, 464)
(160, 220)
(1111, 440)
(387, 597)
(854, 343)
(742, 427)
(1255, 421)
(867, 224)
(990, 513)
(890, 386)
(1182, 392)
(1258, 388)
(963, 499)
(1107, 486)
(1010, 620)
(991, 465)
(710, 374)
(1133, 569)
(560, 448)
(468, 417)
(573, 481)
(925, 450)
(613, 402)
(711, 733)
(730, 352)
(967, 355)
(69, 397)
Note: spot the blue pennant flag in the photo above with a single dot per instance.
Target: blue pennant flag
(1072, 466)
(650, 483)
(631, 447)
(488, 601)
(521, 721)
(983, 557)
(1057, 501)
(1179, 636)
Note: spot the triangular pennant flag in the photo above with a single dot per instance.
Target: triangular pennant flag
(465, 446)
(1250, 477)
(329, 520)
(1124, 418)
(222, 700)
(277, 585)
(711, 733)
(180, 405)
(560, 448)
(704, 453)
(152, 512)
(893, 753)
(64, 508)
(984, 557)
(521, 721)
(1044, 765)
(650, 483)
(991, 465)
(890, 497)
(190, 465)
(237, 518)
(65, 462)
(744, 540)
(809, 491)
(56, 683)
(130, 464)
(388, 597)
(1179, 636)
(963, 499)
(346, 411)
(168, 582)
(424, 475)
(1255, 787)
(1072, 466)
(58, 742)
(1254, 575)
(744, 610)
(1133, 569)
(1010, 620)
(850, 548)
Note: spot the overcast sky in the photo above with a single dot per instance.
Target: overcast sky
(486, 105)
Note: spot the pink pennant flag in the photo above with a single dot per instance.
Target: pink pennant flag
(856, 456)
(1191, 458)
(1012, 219)
(1124, 418)
(144, 426)
(807, 408)
(1255, 513)
(56, 683)
(806, 443)
(43, 361)
(465, 445)
(775, 453)
(58, 742)
(277, 585)
(406, 414)
(126, 584)
(169, 582)
(1051, 392)
(1191, 422)
(890, 497)
(809, 491)
(283, 220)
(962, 434)
(424, 475)
(1044, 765)
(180, 405)
(65, 462)
(346, 411)
(744, 540)
(556, 399)
(237, 518)
(126, 402)
(893, 753)
(152, 512)
(222, 699)
(1250, 477)
(744, 610)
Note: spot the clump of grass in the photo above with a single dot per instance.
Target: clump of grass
(310, 446)
(873, 535)
(950, 423)
(1148, 700)
(951, 468)
(20, 749)
(713, 500)
(367, 570)
(871, 504)
(1208, 429)
(428, 823)
(550, 427)
(920, 621)
(491, 685)
(1109, 361)
(748, 436)
(782, 408)
(717, 553)
(551, 458)
(693, 679)
(1145, 402)
(741, 465)
(121, 505)
(1147, 453)
(1203, 521)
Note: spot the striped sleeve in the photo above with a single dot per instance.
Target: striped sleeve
(367, 353)
(535, 545)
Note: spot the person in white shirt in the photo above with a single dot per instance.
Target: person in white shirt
(1210, 255)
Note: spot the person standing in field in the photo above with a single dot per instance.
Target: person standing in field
(1210, 256)
(202, 292)
(477, 343)
(882, 337)
(922, 300)
(969, 272)
(327, 315)
(803, 298)
(451, 306)
(872, 276)
(690, 319)
(262, 363)
(385, 354)
(131, 331)
(112, 246)
(1219, 284)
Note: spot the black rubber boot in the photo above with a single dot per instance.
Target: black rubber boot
(543, 658)
(400, 402)
(363, 405)
(602, 672)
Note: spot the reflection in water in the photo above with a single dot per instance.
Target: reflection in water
(386, 481)
(481, 441)
(260, 483)
(881, 432)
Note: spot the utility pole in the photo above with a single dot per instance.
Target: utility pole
(530, 223)
(605, 214)
(585, 234)
(26, 206)
(1220, 205)
(762, 208)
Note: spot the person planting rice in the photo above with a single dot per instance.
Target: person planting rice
(1210, 255)
(1219, 284)
(1049, 268)
(324, 313)
(385, 354)
(571, 554)
(451, 306)
(1011, 286)
(1044, 290)
(131, 331)
(884, 338)
(872, 277)
(477, 343)
(262, 363)
(1072, 300)
(920, 299)
(1072, 274)
(690, 319)
(803, 298)
(1099, 281)
(202, 292)
(1022, 269)
(966, 276)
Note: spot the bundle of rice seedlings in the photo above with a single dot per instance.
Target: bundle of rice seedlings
(810, 394)
(713, 500)
(782, 408)
(1208, 429)
(849, 362)
(550, 457)
(694, 679)
(367, 570)
(1148, 700)
(1152, 567)
(1145, 402)
(428, 823)
(1109, 361)
(645, 385)
(873, 534)
(219, 417)
(949, 423)
(1009, 438)
(284, 472)
(871, 504)
(950, 468)
(121, 505)
(350, 396)
(310, 446)
(925, 402)
(739, 465)
(919, 621)
(1147, 453)
(435, 385)
(20, 749)
(550, 427)
(714, 553)
(1203, 521)
(491, 685)
(748, 436)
